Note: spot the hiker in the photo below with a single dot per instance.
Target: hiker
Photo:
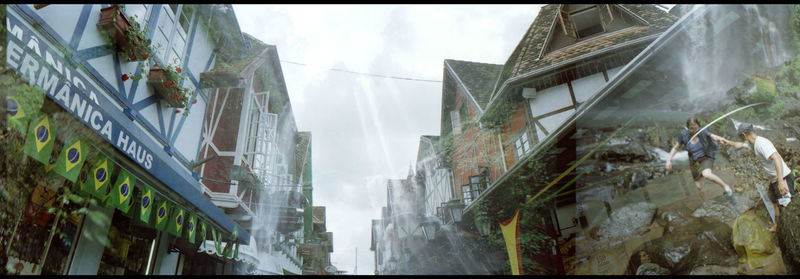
(701, 155)
(781, 190)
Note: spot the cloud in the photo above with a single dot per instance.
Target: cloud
(366, 129)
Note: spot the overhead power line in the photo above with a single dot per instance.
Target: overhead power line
(368, 74)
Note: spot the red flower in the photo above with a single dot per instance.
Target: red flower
(178, 69)
(175, 96)
(124, 77)
(155, 65)
(144, 55)
(194, 101)
(170, 83)
(177, 111)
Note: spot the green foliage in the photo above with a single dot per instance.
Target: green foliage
(787, 80)
(794, 21)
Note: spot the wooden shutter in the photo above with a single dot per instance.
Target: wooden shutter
(566, 22)
(606, 18)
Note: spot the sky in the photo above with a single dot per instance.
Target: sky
(366, 129)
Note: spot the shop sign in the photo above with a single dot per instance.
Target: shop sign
(45, 67)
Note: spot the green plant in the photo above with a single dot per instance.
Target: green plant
(176, 91)
(138, 43)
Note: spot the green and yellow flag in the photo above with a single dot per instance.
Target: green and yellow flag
(40, 140)
(99, 175)
(132, 206)
(17, 118)
(175, 226)
(162, 214)
(217, 244)
(146, 204)
(228, 251)
(71, 160)
(122, 191)
(510, 229)
(191, 227)
(83, 181)
(202, 232)
(51, 162)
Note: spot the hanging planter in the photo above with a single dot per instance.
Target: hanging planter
(220, 79)
(166, 84)
(128, 38)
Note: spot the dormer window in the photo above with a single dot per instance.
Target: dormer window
(581, 21)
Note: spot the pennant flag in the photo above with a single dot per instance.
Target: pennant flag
(83, 181)
(217, 244)
(161, 214)
(122, 191)
(510, 230)
(71, 160)
(51, 162)
(40, 140)
(131, 210)
(228, 251)
(146, 205)
(202, 233)
(191, 227)
(99, 177)
(176, 222)
(17, 118)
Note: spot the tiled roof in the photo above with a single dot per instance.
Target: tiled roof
(524, 59)
(478, 78)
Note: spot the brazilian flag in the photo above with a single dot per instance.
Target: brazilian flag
(40, 140)
(122, 191)
(131, 213)
(83, 180)
(202, 232)
(146, 204)
(71, 160)
(162, 214)
(175, 226)
(51, 162)
(99, 176)
(217, 244)
(191, 228)
(17, 118)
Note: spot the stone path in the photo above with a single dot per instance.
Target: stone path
(595, 254)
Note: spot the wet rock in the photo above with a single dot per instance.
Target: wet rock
(628, 220)
(713, 270)
(751, 240)
(632, 152)
(674, 218)
(788, 236)
(700, 242)
(725, 209)
(651, 269)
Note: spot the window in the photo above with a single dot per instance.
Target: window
(456, 121)
(522, 144)
(581, 21)
(476, 185)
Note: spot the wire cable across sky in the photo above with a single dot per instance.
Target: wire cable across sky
(367, 74)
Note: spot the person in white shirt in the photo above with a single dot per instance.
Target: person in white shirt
(781, 190)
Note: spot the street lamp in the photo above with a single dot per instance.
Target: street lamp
(429, 228)
(455, 209)
(483, 223)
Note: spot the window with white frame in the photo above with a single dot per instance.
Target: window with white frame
(476, 185)
(522, 144)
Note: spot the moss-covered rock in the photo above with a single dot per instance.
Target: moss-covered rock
(751, 240)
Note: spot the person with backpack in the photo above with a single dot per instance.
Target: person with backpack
(701, 155)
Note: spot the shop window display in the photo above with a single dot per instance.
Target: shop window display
(130, 247)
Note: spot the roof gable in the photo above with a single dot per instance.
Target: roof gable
(531, 52)
(477, 78)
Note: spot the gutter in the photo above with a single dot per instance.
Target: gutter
(693, 15)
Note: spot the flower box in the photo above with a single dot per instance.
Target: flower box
(115, 23)
(220, 79)
(165, 88)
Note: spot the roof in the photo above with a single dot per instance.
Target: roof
(525, 57)
(478, 78)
